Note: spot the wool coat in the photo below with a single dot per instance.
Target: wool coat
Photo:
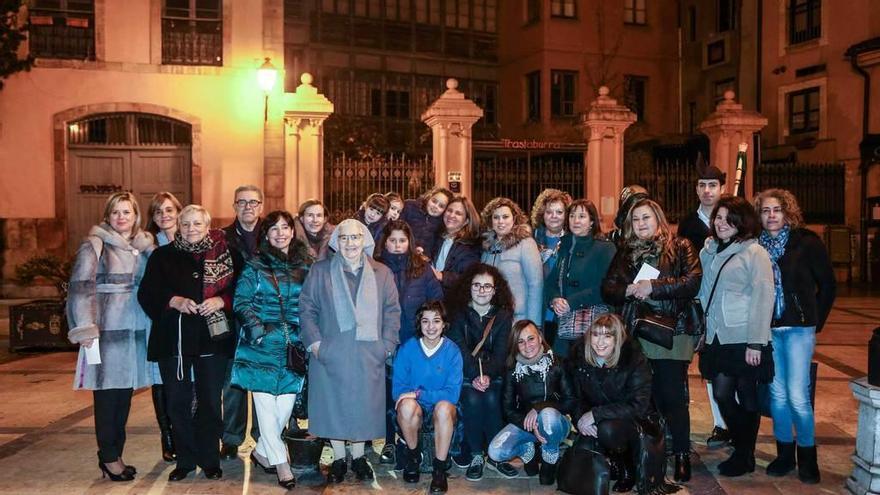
(347, 377)
(261, 355)
(577, 275)
(517, 257)
(102, 303)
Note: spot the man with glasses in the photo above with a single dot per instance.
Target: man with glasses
(242, 238)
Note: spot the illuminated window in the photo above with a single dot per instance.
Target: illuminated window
(192, 32)
(562, 8)
(803, 111)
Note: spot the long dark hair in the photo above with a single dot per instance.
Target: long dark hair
(460, 296)
(417, 263)
(297, 253)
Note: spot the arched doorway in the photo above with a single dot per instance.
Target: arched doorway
(138, 152)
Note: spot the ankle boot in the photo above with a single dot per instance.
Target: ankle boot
(159, 405)
(784, 462)
(682, 471)
(627, 475)
(808, 465)
(438, 476)
(411, 465)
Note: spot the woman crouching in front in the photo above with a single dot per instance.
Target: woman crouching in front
(612, 385)
(536, 397)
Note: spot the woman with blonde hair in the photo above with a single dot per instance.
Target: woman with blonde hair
(102, 311)
(648, 242)
(612, 384)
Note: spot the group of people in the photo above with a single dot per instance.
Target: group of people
(502, 335)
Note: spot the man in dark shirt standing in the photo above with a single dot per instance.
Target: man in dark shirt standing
(242, 237)
(695, 228)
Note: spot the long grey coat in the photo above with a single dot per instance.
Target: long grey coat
(347, 380)
(102, 303)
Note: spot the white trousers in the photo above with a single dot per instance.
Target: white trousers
(273, 413)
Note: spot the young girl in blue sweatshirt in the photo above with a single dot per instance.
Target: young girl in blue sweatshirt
(426, 384)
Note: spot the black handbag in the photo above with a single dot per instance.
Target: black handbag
(694, 318)
(583, 471)
(297, 358)
(652, 327)
(651, 459)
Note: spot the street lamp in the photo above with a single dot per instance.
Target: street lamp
(266, 76)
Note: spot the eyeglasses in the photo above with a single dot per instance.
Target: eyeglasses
(482, 287)
(353, 237)
(253, 203)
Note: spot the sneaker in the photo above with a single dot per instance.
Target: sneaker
(504, 468)
(362, 469)
(462, 461)
(718, 438)
(388, 454)
(475, 468)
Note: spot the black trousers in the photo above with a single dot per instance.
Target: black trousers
(480, 416)
(111, 414)
(235, 413)
(196, 436)
(671, 396)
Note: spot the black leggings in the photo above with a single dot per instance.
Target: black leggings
(481, 416)
(670, 392)
(735, 395)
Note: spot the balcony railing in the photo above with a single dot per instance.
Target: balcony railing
(68, 35)
(192, 42)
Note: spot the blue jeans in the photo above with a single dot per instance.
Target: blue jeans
(512, 441)
(790, 391)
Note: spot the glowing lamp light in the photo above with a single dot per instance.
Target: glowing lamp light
(266, 76)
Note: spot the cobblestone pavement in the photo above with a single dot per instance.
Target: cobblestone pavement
(47, 440)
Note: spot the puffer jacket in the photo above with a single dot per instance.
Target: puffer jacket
(261, 356)
(621, 392)
(517, 257)
(538, 386)
(678, 283)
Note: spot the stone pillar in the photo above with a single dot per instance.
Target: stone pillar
(603, 128)
(727, 128)
(451, 118)
(304, 116)
(865, 477)
(273, 127)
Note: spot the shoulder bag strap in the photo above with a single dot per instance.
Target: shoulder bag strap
(715, 285)
(482, 341)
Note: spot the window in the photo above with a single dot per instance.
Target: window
(635, 89)
(803, 111)
(692, 23)
(716, 52)
(485, 97)
(726, 15)
(533, 10)
(396, 104)
(635, 12)
(533, 96)
(484, 15)
(62, 29)
(562, 8)
(563, 86)
(362, 8)
(192, 32)
(804, 21)
(720, 88)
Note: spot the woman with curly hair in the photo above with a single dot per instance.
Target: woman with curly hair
(425, 216)
(549, 224)
(458, 248)
(804, 289)
(481, 309)
(508, 245)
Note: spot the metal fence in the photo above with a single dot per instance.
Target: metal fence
(671, 183)
(820, 188)
(522, 176)
(348, 181)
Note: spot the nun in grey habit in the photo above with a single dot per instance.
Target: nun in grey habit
(350, 318)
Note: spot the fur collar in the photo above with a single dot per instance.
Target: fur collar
(142, 241)
(516, 235)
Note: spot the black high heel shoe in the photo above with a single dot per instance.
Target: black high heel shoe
(123, 476)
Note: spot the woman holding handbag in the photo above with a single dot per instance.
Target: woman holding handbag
(737, 293)
(654, 307)
(574, 286)
(481, 309)
(270, 358)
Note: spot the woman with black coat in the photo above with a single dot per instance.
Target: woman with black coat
(458, 247)
(187, 291)
(482, 314)
(536, 397)
(804, 289)
(612, 384)
(649, 240)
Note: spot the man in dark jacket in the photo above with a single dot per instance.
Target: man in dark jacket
(242, 239)
(695, 228)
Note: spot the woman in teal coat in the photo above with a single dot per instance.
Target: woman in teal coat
(267, 307)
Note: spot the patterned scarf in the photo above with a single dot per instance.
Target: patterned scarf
(217, 270)
(646, 249)
(775, 246)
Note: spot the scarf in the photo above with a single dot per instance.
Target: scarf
(399, 265)
(217, 268)
(361, 314)
(540, 365)
(775, 247)
(643, 249)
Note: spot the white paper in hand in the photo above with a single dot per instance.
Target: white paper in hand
(93, 353)
(646, 272)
